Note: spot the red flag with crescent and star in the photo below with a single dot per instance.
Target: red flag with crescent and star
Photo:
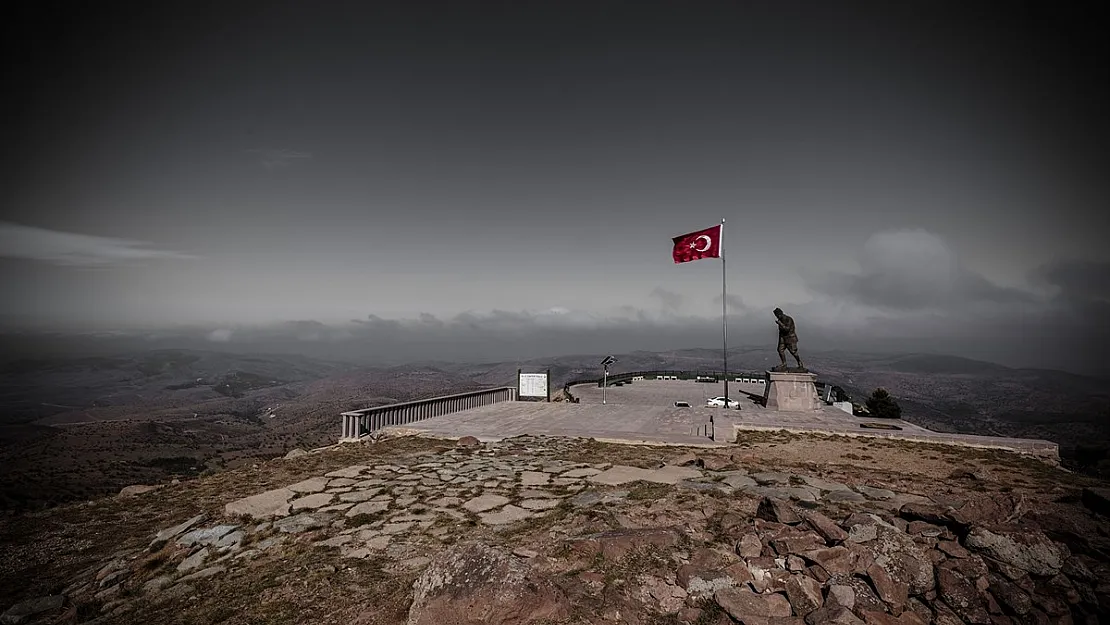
(697, 245)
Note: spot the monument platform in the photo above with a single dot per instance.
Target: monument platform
(644, 412)
(791, 392)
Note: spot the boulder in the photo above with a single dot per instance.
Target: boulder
(1010, 596)
(833, 615)
(841, 595)
(1029, 551)
(477, 583)
(136, 489)
(962, 596)
(905, 560)
(743, 604)
(295, 453)
(824, 526)
(23, 610)
(804, 594)
(468, 441)
(749, 546)
(615, 544)
(893, 593)
(835, 560)
(777, 510)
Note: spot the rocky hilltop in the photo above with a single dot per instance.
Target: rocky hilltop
(777, 529)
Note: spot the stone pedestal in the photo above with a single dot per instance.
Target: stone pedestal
(791, 392)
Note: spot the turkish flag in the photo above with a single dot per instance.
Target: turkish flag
(697, 245)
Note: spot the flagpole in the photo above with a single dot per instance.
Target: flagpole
(724, 312)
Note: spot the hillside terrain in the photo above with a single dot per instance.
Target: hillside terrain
(76, 428)
(783, 529)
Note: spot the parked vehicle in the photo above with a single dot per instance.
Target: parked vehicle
(682, 404)
(719, 402)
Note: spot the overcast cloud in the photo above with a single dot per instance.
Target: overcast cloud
(504, 179)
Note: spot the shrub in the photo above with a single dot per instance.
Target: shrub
(881, 405)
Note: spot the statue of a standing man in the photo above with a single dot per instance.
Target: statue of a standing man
(788, 339)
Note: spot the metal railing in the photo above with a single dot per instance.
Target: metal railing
(359, 423)
(670, 374)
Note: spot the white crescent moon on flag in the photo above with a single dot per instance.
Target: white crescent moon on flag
(708, 242)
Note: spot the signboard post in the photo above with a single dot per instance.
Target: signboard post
(533, 385)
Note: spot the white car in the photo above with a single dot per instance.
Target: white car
(719, 402)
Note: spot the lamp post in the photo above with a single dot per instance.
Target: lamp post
(605, 377)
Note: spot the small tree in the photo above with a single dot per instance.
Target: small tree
(883, 406)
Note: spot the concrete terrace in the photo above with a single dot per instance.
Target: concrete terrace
(644, 412)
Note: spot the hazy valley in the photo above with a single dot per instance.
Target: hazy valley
(77, 428)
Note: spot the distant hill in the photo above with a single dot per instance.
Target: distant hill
(74, 427)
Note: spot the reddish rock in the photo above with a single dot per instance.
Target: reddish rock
(480, 584)
(824, 526)
(749, 546)
(742, 604)
(835, 560)
(905, 560)
(1029, 551)
(833, 615)
(797, 544)
(893, 593)
(739, 573)
(804, 594)
(706, 558)
(923, 528)
(730, 521)
(686, 460)
(717, 463)
(922, 611)
(468, 441)
(872, 617)
(795, 564)
(615, 544)
(944, 615)
(841, 595)
(961, 595)
(953, 549)
(689, 616)
(818, 573)
(777, 510)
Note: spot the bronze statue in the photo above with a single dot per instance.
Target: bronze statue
(788, 340)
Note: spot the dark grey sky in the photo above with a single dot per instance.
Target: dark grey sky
(925, 170)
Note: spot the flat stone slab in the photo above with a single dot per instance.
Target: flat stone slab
(311, 485)
(205, 536)
(621, 475)
(504, 516)
(673, 475)
(352, 471)
(584, 472)
(539, 504)
(483, 503)
(272, 503)
(739, 481)
(311, 502)
(368, 507)
(300, 523)
(359, 495)
(161, 537)
(534, 478)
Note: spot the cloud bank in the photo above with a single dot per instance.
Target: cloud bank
(76, 250)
